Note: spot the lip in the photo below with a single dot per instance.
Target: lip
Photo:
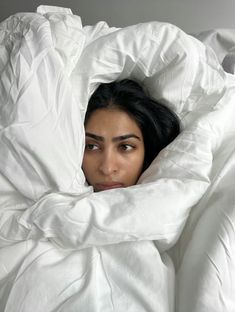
(108, 186)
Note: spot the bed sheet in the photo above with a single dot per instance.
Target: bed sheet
(65, 248)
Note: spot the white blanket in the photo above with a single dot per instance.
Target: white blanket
(166, 244)
(222, 41)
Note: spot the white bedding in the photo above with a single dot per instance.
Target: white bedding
(166, 244)
(222, 41)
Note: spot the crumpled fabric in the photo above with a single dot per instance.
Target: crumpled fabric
(64, 247)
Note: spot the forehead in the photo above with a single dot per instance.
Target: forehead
(111, 122)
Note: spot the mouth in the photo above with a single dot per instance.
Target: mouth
(108, 186)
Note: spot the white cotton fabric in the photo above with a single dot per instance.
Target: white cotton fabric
(143, 248)
(222, 41)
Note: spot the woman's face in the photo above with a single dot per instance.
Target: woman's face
(114, 150)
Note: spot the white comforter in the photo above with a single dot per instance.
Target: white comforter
(166, 244)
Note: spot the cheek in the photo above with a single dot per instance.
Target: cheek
(88, 166)
(134, 167)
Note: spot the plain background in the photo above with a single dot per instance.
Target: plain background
(190, 15)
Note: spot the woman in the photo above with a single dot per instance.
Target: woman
(125, 130)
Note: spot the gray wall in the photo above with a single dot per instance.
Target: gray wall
(190, 15)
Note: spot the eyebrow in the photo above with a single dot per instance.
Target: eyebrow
(115, 139)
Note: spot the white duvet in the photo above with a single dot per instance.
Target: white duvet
(166, 244)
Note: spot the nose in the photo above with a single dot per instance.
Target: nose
(108, 163)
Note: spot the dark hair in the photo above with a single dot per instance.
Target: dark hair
(159, 124)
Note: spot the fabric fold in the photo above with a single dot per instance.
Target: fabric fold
(69, 239)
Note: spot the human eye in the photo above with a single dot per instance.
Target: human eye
(91, 147)
(126, 147)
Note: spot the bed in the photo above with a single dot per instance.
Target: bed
(165, 244)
